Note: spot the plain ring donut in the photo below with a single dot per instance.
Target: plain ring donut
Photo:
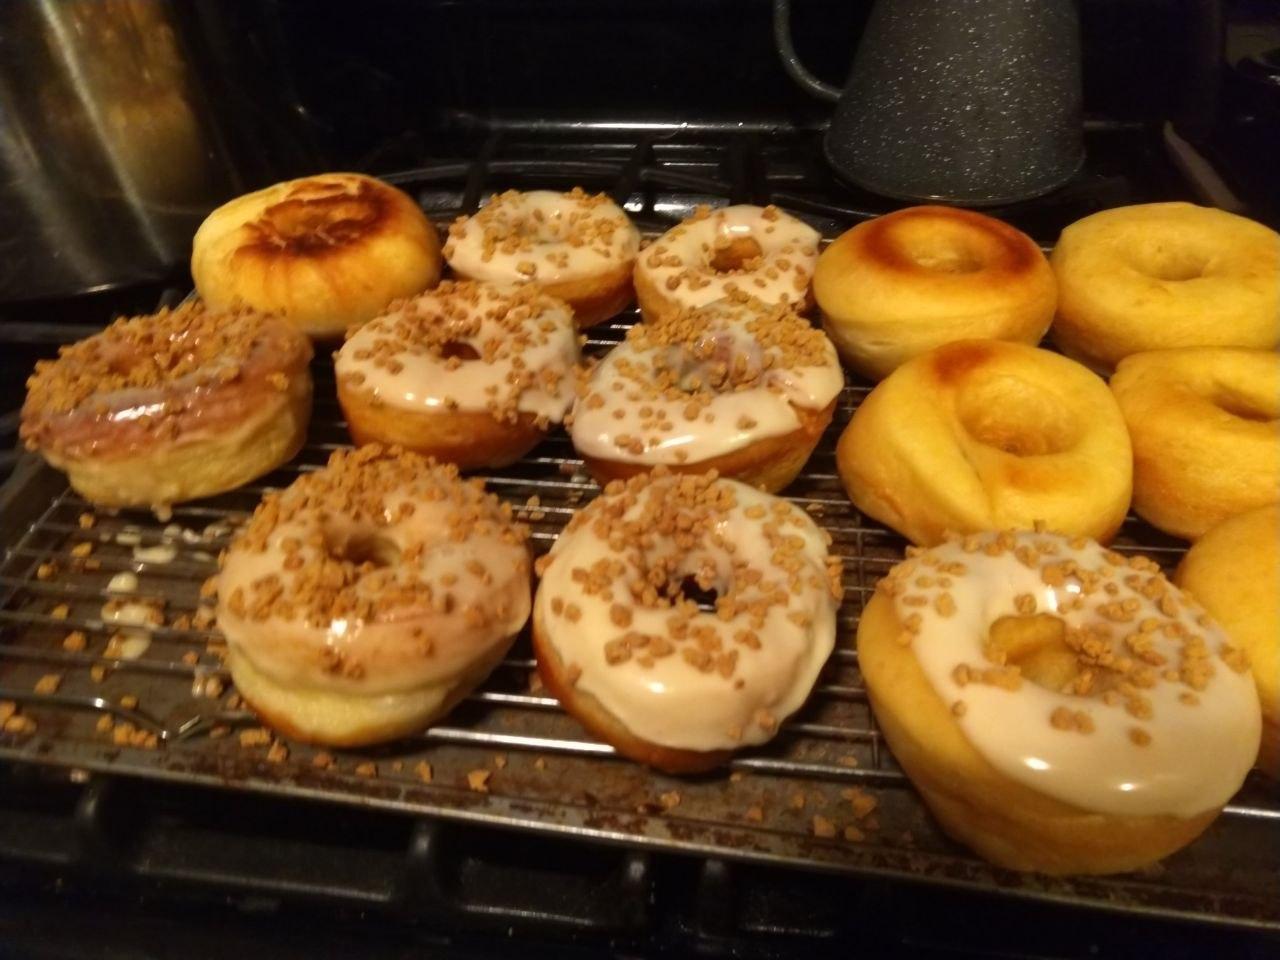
(897, 286)
(367, 598)
(1060, 707)
(1160, 275)
(326, 252)
(173, 406)
(758, 251)
(1205, 425)
(983, 434)
(630, 641)
(579, 248)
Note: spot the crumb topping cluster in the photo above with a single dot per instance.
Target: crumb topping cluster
(371, 489)
(189, 344)
(663, 535)
(511, 227)
(1137, 630)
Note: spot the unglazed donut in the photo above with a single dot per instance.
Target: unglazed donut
(326, 252)
(365, 600)
(468, 373)
(181, 404)
(759, 251)
(636, 660)
(1059, 707)
(1205, 425)
(982, 434)
(897, 286)
(1160, 275)
(580, 248)
(736, 386)
(1234, 572)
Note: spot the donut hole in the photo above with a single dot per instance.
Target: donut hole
(458, 350)
(314, 222)
(1035, 644)
(1255, 409)
(945, 256)
(1017, 417)
(1165, 263)
(690, 589)
(735, 255)
(361, 547)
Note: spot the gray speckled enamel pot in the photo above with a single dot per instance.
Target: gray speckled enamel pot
(970, 101)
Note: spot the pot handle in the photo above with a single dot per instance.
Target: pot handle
(791, 62)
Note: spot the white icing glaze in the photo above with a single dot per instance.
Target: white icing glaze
(434, 600)
(525, 343)
(679, 263)
(623, 412)
(544, 236)
(1198, 753)
(666, 699)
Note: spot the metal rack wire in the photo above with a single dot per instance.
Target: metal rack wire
(508, 755)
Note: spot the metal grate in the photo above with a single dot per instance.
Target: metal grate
(545, 774)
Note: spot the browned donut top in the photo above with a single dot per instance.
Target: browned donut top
(932, 240)
(319, 216)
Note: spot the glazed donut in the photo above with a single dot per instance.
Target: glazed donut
(181, 404)
(1234, 572)
(364, 601)
(759, 251)
(1059, 707)
(629, 653)
(897, 286)
(468, 373)
(736, 386)
(1161, 275)
(579, 248)
(981, 434)
(326, 252)
(1205, 426)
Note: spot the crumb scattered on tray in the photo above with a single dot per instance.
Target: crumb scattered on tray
(822, 827)
(500, 760)
(423, 771)
(278, 753)
(255, 737)
(75, 641)
(478, 780)
(853, 834)
(367, 769)
(322, 760)
(49, 683)
(670, 800)
(755, 814)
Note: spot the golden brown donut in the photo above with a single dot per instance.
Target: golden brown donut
(326, 252)
(365, 600)
(1044, 729)
(468, 373)
(629, 653)
(897, 286)
(1160, 275)
(1205, 426)
(737, 386)
(1234, 573)
(981, 434)
(579, 248)
(181, 404)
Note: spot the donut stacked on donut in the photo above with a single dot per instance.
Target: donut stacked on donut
(1205, 425)
(1161, 275)
(181, 404)
(629, 652)
(365, 600)
(1060, 707)
(736, 386)
(897, 286)
(325, 252)
(982, 434)
(579, 248)
(469, 373)
(759, 251)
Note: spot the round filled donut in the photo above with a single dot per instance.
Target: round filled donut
(1160, 275)
(1205, 425)
(623, 642)
(468, 373)
(580, 248)
(759, 251)
(173, 406)
(326, 252)
(900, 285)
(982, 434)
(1061, 708)
(737, 386)
(1233, 571)
(365, 600)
